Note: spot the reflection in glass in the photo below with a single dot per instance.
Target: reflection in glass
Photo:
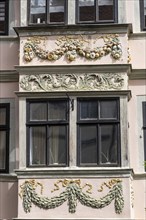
(57, 145)
(106, 10)
(38, 111)
(56, 10)
(86, 10)
(108, 109)
(2, 149)
(57, 110)
(88, 144)
(88, 110)
(37, 146)
(2, 116)
(109, 144)
(37, 11)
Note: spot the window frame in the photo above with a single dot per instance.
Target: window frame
(97, 123)
(46, 124)
(97, 21)
(6, 128)
(47, 15)
(6, 17)
(142, 16)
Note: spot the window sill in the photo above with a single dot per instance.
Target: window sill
(75, 172)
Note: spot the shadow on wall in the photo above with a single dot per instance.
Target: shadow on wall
(8, 200)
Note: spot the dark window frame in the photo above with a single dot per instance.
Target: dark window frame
(47, 15)
(6, 16)
(142, 16)
(97, 21)
(47, 124)
(144, 128)
(6, 128)
(97, 122)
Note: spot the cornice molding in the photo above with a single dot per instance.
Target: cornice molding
(74, 173)
(8, 177)
(113, 68)
(9, 76)
(9, 38)
(46, 30)
(137, 74)
(136, 36)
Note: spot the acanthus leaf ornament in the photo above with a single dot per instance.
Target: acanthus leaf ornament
(72, 82)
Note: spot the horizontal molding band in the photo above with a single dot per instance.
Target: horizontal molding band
(9, 76)
(8, 177)
(137, 74)
(74, 173)
(109, 68)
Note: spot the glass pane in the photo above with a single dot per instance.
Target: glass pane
(86, 10)
(2, 16)
(88, 144)
(2, 149)
(57, 110)
(57, 145)
(38, 111)
(109, 143)
(108, 109)
(88, 110)
(106, 10)
(145, 146)
(56, 9)
(37, 11)
(37, 146)
(144, 113)
(2, 116)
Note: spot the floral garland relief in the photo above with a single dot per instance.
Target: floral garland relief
(71, 47)
(73, 192)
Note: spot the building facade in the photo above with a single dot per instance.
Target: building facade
(72, 109)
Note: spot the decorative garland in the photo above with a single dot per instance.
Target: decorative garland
(71, 47)
(72, 193)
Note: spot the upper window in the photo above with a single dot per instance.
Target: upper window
(144, 128)
(3, 17)
(50, 128)
(97, 11)
(143, 14)
(4, 137)
(47, 11)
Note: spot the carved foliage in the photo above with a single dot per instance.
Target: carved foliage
(72, 82)
(72, 193)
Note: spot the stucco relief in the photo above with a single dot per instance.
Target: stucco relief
(73, 192)
(72, 82)
(73, 47)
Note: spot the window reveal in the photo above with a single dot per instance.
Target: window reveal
(144, 128)
(3, 17)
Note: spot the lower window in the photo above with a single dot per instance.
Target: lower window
(50, 124)
(4, 137)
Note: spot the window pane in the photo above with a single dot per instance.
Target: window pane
(2, 149)
(38, 111)
(57, 145)
(145, 145)
(57, 110)
(37, 146)
(109, 144)
(56, 9)
(105, 10)
(86, 10)
(108, 109)
(144, 113)
(144, 13)
(88, 145)
(88, 110)
(2, 116)
(2, 16)
(37, 11)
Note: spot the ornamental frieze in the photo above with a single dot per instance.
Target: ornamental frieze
(72, 82)
(73, 192)
(72, 48)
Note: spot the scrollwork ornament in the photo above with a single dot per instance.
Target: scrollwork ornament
(72, 82)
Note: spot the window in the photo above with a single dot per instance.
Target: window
(98, 132)
(144, 128)
(4, 137)
(47, 11)
(143, 14)
(97, 11)
(51, 122)
(3, 17)
(48, 133)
